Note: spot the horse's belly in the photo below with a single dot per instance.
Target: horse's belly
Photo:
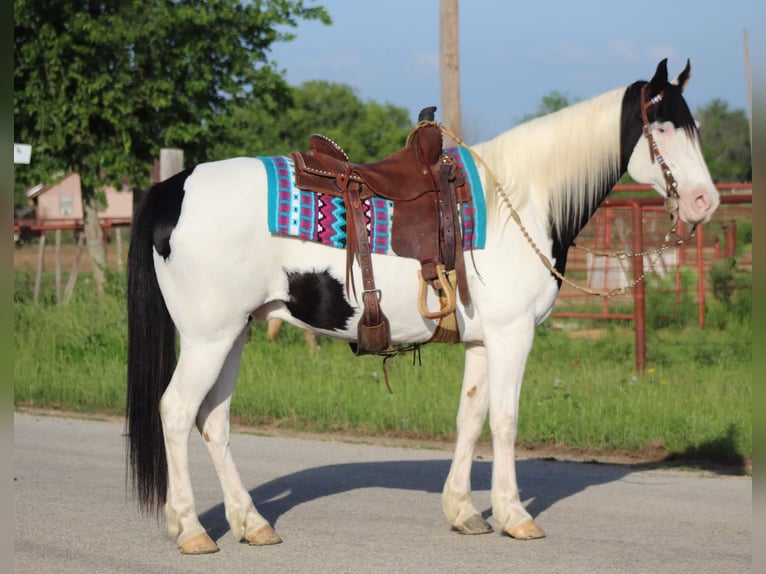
(318, 273)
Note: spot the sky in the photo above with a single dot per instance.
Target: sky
(512, 52)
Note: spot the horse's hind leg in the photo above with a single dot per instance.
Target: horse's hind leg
(213, 423)
(198, 368)
(456, 497)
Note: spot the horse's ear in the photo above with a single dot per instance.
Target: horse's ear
(683, 78)
(660, 79)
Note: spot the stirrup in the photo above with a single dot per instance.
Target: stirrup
(446, 288)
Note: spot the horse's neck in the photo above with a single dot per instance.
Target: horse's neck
(568, 159)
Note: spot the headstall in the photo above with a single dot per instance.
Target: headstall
(671, 185)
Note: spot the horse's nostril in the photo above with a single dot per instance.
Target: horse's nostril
(702, 202)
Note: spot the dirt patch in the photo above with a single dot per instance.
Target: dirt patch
(591, 334)
(27, 256)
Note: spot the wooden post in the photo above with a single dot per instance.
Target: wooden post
(58, 265)
(40, 258)
(118, 235)
(449, 68)
(171, 162)
(73, 274)
(749, 86)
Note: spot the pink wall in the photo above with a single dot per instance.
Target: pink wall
(63, 201)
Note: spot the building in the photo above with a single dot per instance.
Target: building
(62, 201)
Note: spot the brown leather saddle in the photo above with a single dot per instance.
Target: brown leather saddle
(427, 189)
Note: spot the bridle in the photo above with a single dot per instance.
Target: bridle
(671, 206)
(671, 185)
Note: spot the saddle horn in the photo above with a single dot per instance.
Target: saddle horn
(427, 114)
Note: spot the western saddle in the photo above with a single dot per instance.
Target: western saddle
(427, 189)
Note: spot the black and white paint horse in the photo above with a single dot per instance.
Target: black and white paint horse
(203, 270)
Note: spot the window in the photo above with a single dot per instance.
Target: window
(65, 205)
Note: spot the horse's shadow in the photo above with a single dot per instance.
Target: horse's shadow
(542, 483)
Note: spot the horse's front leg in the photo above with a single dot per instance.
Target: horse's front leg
(507, 353)
(214, 425)
(456, 497)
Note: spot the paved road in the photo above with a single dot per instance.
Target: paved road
(364, 509)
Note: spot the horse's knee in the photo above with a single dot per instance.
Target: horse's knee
(503, 429)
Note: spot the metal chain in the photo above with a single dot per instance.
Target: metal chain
(546, 262)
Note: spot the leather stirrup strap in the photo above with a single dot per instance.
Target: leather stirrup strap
(449, 211)
(447, 214)
(373, 329)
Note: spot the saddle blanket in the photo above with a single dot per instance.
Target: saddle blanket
(322, 218)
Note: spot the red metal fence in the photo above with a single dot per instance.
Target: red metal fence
(638, 225)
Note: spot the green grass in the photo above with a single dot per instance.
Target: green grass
(694, 398)
(695, 393)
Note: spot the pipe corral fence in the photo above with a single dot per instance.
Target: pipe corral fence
(622, 224)
(625, 224)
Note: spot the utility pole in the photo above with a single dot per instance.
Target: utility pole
(749, 86)
(449, 68)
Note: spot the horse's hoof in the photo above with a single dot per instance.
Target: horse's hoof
(474, 525)
(264, 536)
(526, 531)
(199, 544)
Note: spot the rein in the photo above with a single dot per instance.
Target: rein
(671, 205)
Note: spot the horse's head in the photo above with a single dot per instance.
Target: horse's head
(667, 155)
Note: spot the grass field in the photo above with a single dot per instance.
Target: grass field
(694, 399)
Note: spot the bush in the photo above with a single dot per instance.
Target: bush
(732, 292)
(665, 306)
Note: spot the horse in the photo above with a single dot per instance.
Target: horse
(200, 271)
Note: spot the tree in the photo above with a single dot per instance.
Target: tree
(550, 103)
(100, 87)
(725, 138)
(367, 131)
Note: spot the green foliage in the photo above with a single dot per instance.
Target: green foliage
(744, 235)
(694, 398)
(100, 87)
(732, 290)
(367, 131)
(665, 306)
(725, 142)
(71, 357)
(695, 394)
(552, 102)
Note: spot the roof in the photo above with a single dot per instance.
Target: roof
(41, 188)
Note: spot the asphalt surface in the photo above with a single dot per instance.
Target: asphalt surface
(357, 508)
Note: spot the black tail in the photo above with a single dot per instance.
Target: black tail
(151, 355)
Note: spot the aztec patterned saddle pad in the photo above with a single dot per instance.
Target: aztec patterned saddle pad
(322, 218)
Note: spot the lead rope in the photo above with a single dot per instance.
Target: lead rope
(546, 262)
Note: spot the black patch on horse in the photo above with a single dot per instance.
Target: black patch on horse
(317, 299)
(164, 203)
